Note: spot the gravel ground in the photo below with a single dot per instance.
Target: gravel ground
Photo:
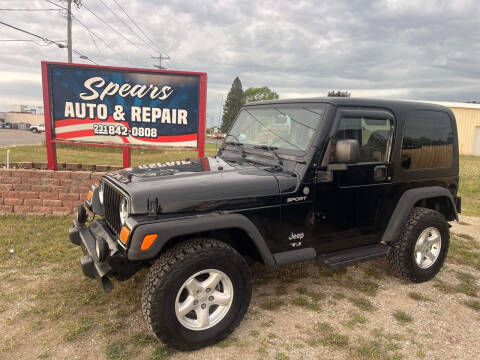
(441, 327)
(303, 312)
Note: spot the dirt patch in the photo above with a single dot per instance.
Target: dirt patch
(301, 312)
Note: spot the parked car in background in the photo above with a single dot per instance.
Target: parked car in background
(8, 125)
(37, 128)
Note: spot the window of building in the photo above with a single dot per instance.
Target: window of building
(427, 140)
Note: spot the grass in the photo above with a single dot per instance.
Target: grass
(374, 350)
(469, 188)
(402, 317)
(99, 155)
(419, 297)
(355, 319)
(463, 250)
(272, 305)
(117, 350)
(328, 336)
(230, 341)
(363, 304)
(43, 291)
(302, 301)
(78, 329)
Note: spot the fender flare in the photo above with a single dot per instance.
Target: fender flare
(169, 229)
(406, 203)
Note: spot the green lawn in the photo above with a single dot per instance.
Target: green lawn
(469, 165)
(98, 155)
(470, 185)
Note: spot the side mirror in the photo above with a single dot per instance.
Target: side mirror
(347, 151)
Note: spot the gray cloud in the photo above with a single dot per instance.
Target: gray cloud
(391, 48)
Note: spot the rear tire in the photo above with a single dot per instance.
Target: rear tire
(193, 265)
(420, 252)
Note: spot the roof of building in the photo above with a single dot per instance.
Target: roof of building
(451, 104)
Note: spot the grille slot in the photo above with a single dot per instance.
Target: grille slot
(111, 201)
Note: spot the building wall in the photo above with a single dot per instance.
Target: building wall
(33, 119)
(467, 120)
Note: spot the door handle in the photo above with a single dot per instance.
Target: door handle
(380, 173)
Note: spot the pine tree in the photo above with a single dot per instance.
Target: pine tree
(235, 100)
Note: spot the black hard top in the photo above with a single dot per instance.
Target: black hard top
(357, 102)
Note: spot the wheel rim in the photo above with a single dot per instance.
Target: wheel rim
(427, 248)
(204, 299)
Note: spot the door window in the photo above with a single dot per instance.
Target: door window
(373, 135)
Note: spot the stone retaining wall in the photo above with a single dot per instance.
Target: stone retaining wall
(44, 192)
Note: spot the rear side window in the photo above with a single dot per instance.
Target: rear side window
(427, 140)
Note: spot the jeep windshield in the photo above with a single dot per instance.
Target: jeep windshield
(282, 128)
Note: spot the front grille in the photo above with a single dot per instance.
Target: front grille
(111, 204)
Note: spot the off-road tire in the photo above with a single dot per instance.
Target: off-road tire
(401, 254)
(171, 270)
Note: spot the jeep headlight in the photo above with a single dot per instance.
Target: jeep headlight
(124, 211)
(100, 192)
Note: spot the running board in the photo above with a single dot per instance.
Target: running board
(353, 256)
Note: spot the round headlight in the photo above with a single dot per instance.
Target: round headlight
(123, 210)
(100, 192)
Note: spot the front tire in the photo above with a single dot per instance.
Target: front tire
(196, 293)
(420, 252)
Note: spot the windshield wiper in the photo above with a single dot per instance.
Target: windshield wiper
(272, 149)
(236, 143)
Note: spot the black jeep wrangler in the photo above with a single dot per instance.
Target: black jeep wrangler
(338, 180)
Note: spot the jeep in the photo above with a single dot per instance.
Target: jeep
(336, 180)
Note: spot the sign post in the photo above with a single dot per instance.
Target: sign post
(122, 107)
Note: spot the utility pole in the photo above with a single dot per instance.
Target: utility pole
(69, 30)
(160, 58)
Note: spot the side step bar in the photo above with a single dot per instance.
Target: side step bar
(353, 256)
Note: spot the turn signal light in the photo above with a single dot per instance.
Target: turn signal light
(124, 234)
(89, 195)
(148, 241)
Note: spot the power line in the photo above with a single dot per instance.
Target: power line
(127, 26)
(103, 41)
(53, 3)
(48, 41)
(113, 29)
(136, 25)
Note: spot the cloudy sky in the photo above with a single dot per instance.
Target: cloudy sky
(424, 50)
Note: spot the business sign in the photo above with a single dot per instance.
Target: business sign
(108, 105)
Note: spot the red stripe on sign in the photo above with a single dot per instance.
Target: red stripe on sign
(161, 139)
(74, 134)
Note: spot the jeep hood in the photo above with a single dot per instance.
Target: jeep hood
(205, 184)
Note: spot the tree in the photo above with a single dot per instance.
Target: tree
(235, 100)
(260, 94)
(338, 93)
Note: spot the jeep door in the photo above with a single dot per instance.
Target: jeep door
(349, 198)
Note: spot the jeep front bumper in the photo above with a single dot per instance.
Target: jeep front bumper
(87, 238)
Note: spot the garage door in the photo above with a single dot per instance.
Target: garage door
(476, 144)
